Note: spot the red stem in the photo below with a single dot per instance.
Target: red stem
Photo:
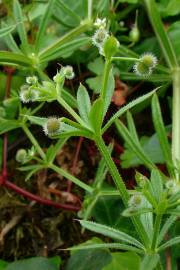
(37, 198)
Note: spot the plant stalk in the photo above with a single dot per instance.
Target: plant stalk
(157, 225)
(176, 119)
(121, 187)
(34, 141)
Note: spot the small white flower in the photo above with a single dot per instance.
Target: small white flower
(68, 72)
(100, 23)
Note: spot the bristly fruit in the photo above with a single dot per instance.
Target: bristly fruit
(99, 37)
(136, 201)
(52, 126)
(31, 80)
(68, 72)
(21, 155)
(145, 65)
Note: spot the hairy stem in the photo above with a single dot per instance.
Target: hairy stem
(121, 187)
(176, 119)
(157, 225)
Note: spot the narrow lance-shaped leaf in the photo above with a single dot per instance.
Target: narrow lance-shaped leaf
(109, 92)
(161, 34)
(43, 24)
(63, 40)
(126, 108)
(84, 103)
(156, 185)
(131, 127)
(161, 132)
(110, 232)
(123, 131)
(96, 114)
(17, 11)
(168, 223)
(105, 246)
(6, 30)
(172, 242)
(11, 58)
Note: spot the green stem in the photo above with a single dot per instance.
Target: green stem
(34, 141)
(113, 170)
(157, 225)
(175, 117)
(120, 186)
(71, 178)
(63, 103)
(118, 58)
(105, 78)
(90, 9)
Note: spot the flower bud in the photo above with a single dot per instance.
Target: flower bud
(134, 34)
(31, 80)
(21, 155)
(110, 46)
(172, 186)
(52, 126)
(100, 23)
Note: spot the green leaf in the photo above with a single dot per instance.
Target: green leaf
(88, 260)
(95, 115)
(17, 11)
(106, 246)
(40, 121)
(6, 30)
(168, 223)
(132, 127)
(66, 49)
(161, 132)
(170, 8)
(149, 262)
(173, 241)
(10, 58)
(161, 34)
(37, 263)
(70, 36)
(129, 139)
(43, 24)
(151, 147)
(109, 92)
(124, 260)
(126, 108)
(156, 185)
(96, 66)
(110, 232)
(84, 103)
(7, 125)
(3, 264)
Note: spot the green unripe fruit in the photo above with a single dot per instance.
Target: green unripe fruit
(134, 34)
(21, 155)
(110, 47)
